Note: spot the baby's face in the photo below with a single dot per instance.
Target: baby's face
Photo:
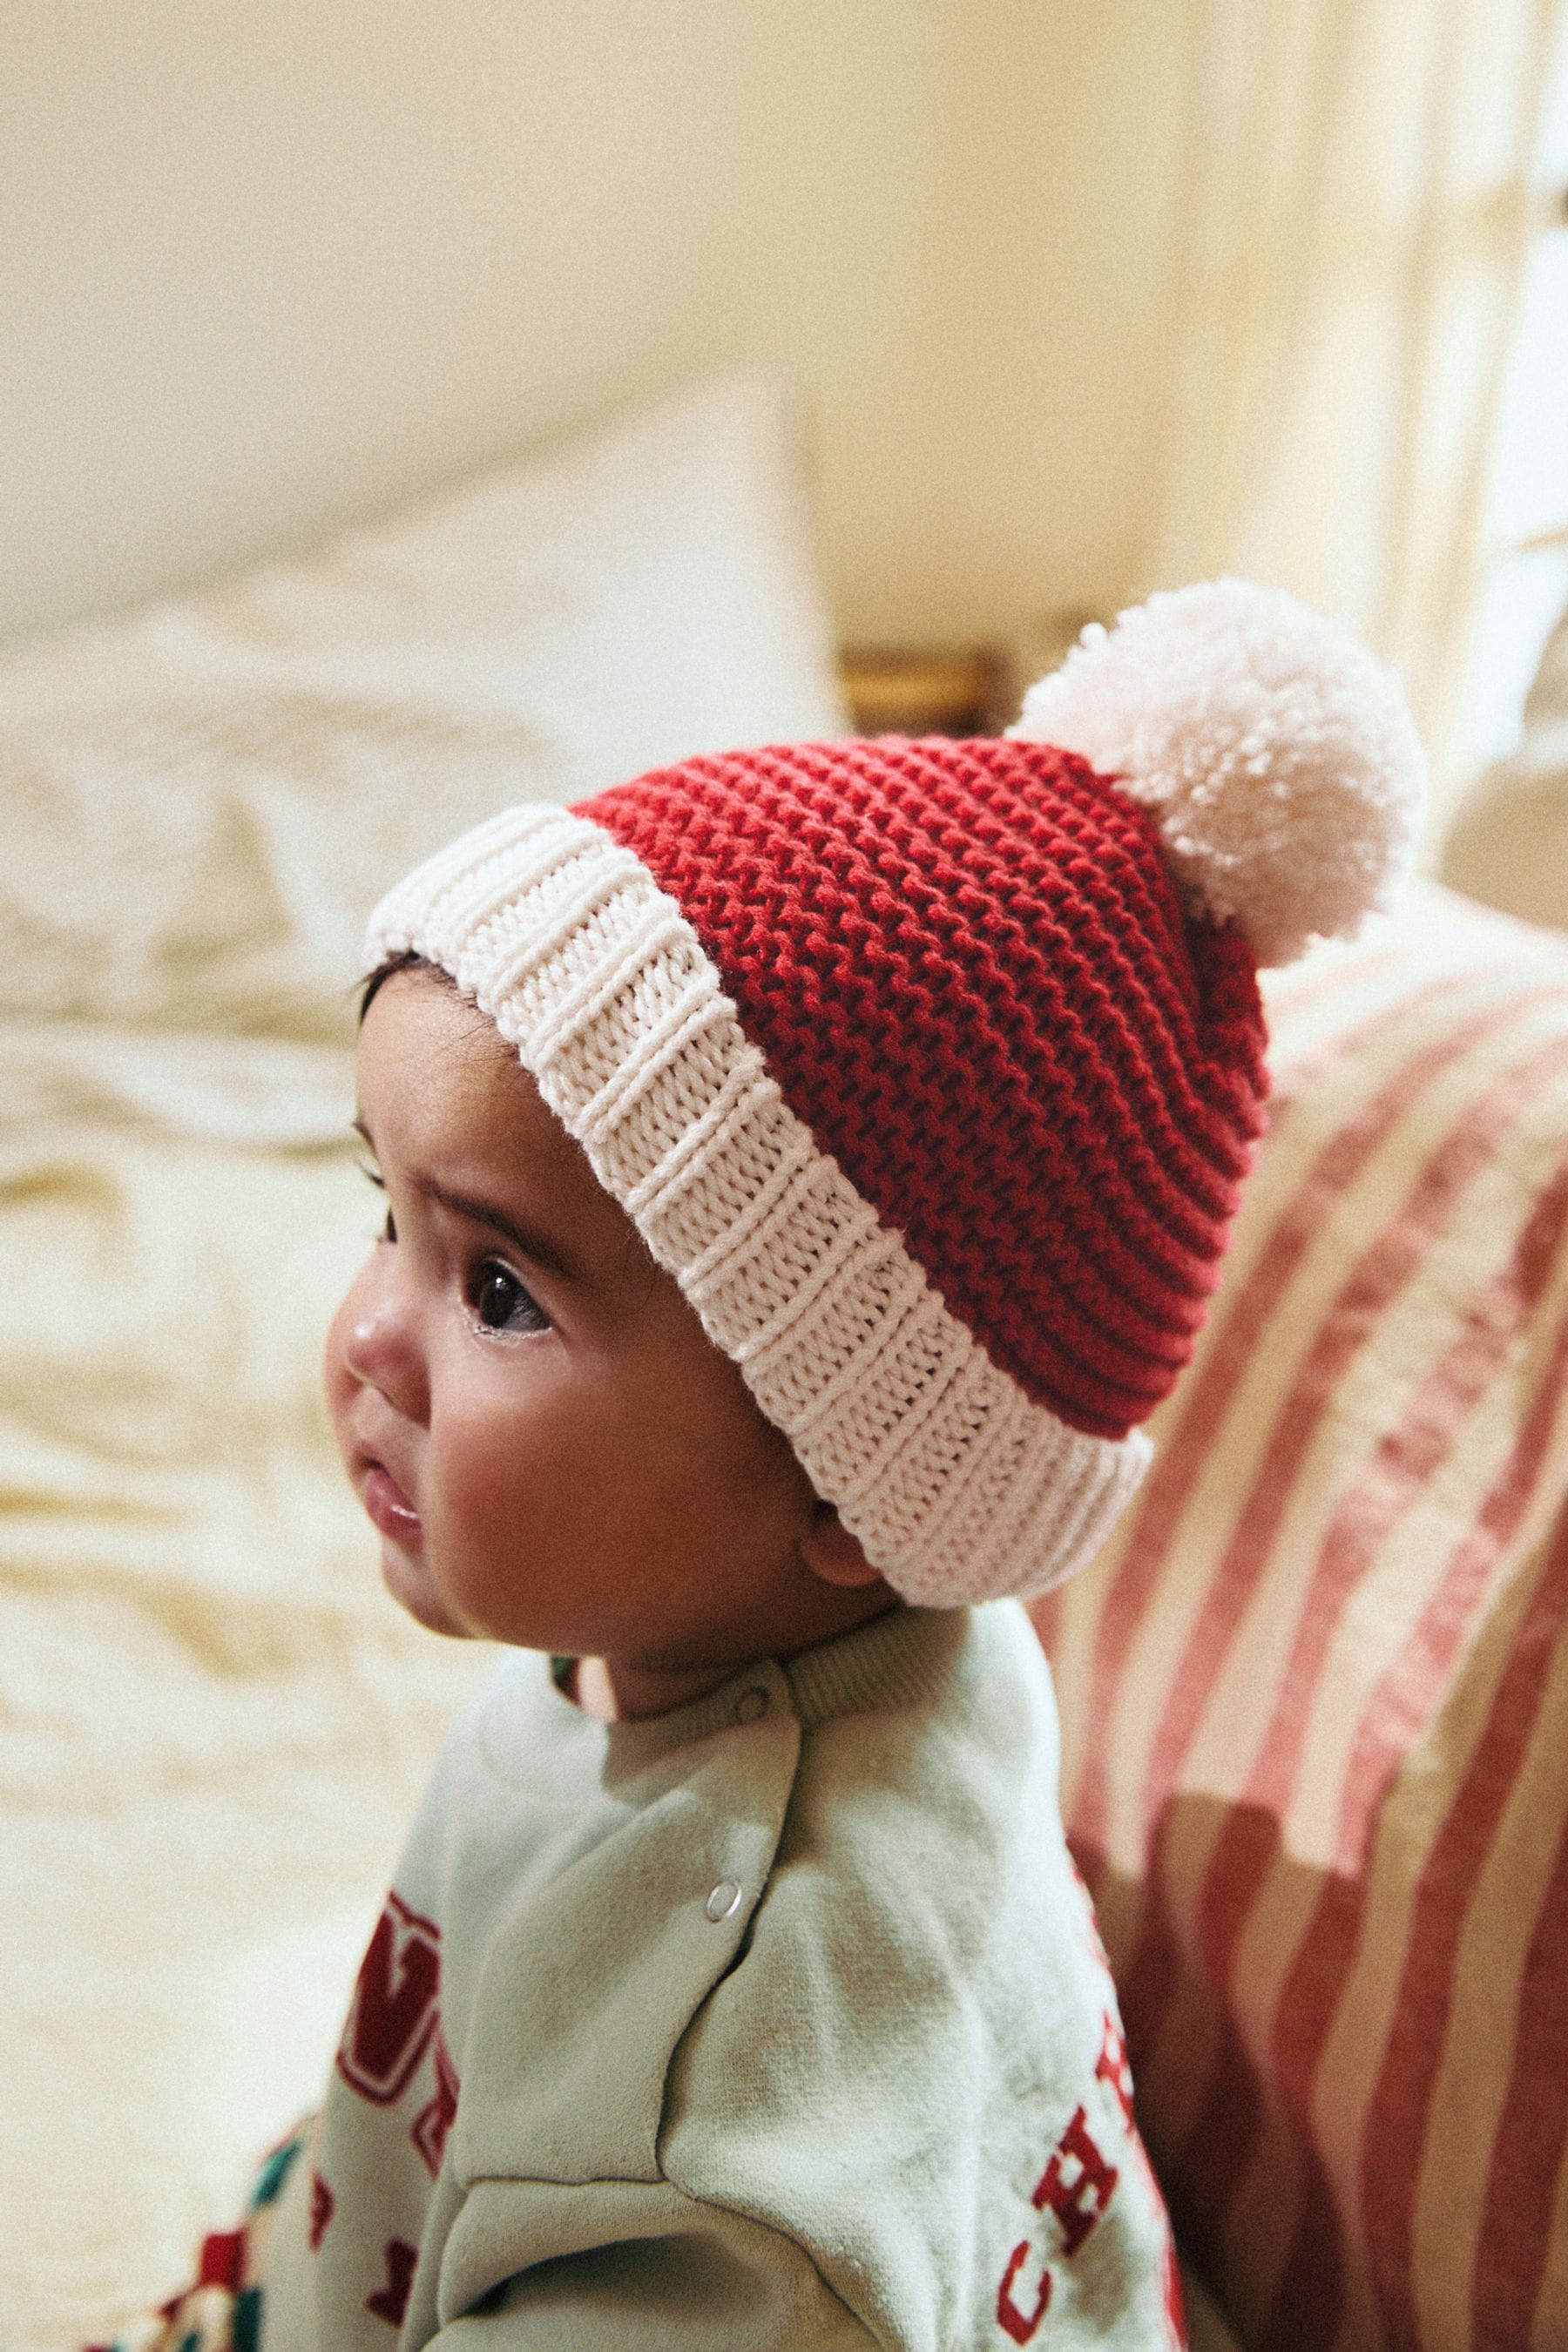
(554, 1451)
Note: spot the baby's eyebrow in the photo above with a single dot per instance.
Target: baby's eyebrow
(526, 1238)
(529, 1240)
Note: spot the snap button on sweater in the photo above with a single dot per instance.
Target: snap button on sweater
(722, 1900)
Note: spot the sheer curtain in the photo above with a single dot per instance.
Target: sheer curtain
(1359, 190)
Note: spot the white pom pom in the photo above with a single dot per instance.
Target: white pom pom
(1277, 754)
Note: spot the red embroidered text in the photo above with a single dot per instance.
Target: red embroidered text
(434, 2121)
(1077, 2183)
(393, 2012)
(1111, 2067)
(1019, 2324)
(322, 2203)
(391, 2302)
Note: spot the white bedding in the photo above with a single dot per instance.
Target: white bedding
(212, 1722)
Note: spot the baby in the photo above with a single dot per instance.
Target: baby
(804, 1170)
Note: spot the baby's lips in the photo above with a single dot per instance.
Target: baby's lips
(387, 1505)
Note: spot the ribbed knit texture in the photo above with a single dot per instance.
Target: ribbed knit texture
(957, 1484)
(968, 970)
(930, 1069)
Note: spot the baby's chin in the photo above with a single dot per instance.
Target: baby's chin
(416, 1592)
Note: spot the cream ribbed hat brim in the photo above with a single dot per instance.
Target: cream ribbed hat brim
(957, 1486)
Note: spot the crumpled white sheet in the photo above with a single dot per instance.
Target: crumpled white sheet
(212, 1722)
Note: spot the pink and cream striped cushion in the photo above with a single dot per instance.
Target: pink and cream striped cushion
(1315, 1692)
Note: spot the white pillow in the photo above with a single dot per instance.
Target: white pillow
(203, 800)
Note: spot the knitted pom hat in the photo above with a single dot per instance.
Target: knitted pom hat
(930, 1069)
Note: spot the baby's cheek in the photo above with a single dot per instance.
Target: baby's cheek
(476, 1504)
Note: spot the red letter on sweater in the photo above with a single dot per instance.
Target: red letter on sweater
(434, 2122)
(391, 2302)
(393, 2012)
(1021, 2325)
(323, 2204)
(1111, 2067)
(1077, 2183)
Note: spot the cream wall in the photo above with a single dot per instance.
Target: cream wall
(265, 267)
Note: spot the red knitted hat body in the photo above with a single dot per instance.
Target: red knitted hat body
(971, 978)
(929, 1071)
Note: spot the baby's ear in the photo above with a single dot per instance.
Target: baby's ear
(832, 1553)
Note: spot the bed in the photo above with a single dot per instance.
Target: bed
(213, 1723)
(1313, 1694)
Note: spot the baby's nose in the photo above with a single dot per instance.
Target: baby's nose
(377, 1342)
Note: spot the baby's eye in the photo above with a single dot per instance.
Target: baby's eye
(501, 1303)
(389, 1229)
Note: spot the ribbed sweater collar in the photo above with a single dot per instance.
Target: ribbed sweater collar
(899, 1659)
